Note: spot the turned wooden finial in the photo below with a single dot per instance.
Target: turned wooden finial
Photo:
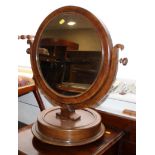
(29, 38)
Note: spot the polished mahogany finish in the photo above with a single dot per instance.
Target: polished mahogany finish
(80, 127)
(127, 125)
(113, 123)
(105, 76)
(109, 144)
(72, 123)
(83, 125)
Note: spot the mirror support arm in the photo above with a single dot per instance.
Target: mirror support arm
(30, 39)
(124, 61)
(65, 114)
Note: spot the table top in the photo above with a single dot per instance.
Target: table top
(28, 144)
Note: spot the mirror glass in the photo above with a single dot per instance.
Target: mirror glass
(69, 54)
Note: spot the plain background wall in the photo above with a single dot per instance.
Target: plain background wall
(130, 22)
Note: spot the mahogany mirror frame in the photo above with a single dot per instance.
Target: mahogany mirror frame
(108, 66)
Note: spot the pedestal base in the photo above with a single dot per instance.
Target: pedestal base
(53, 130)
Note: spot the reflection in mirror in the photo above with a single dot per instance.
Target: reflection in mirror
(69, 54)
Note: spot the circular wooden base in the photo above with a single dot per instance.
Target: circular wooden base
(53, 130)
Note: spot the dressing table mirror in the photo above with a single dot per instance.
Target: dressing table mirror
(74, 64)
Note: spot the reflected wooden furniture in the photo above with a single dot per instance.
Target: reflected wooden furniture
(73, 87)
(26, 85)
(47, 76)
(70, 104)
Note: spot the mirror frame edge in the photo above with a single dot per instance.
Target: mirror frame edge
(95, 92)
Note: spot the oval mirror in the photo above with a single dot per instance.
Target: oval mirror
(71, 57)
(74, 64)
(69, 54)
